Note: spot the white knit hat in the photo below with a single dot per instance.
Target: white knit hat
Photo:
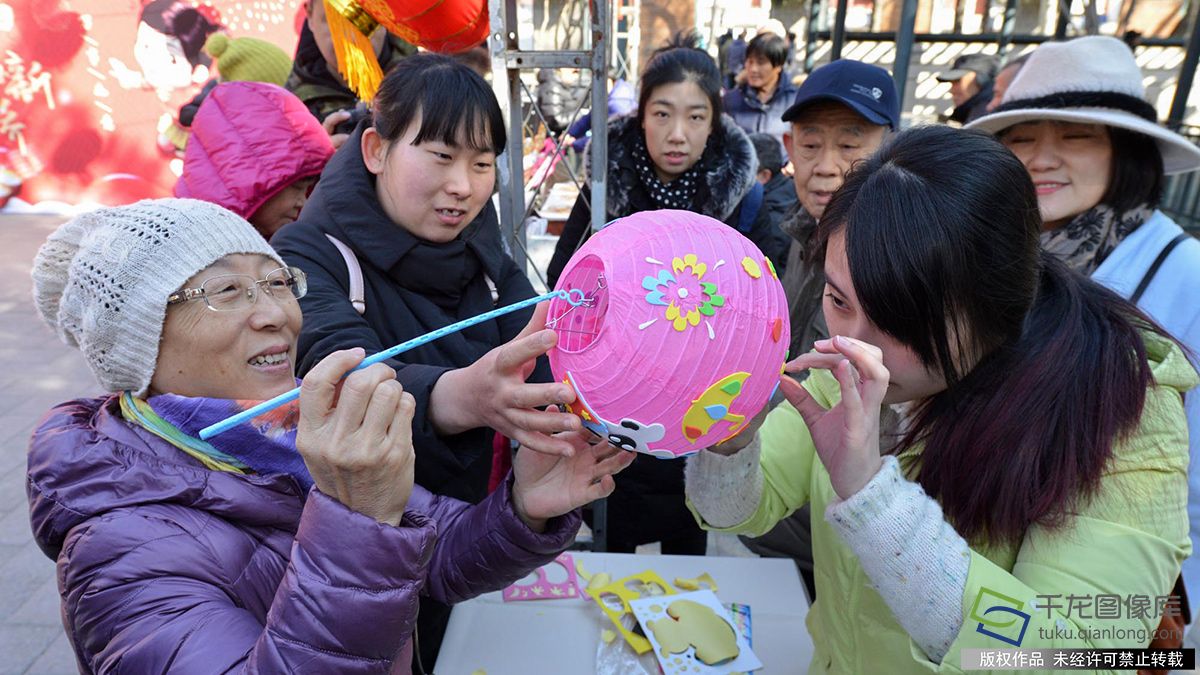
(101, 280)
(1091, 80)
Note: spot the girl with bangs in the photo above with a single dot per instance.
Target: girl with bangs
(408, 198)
(1044, 447)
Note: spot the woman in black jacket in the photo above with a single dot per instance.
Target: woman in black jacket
(409, 196)
(678, 152)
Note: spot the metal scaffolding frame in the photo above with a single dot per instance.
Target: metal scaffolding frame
(905, 36)
(508, 61)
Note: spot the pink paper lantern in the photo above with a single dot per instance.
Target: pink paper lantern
(683, 336)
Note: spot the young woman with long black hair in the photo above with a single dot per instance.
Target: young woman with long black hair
(1044, 450)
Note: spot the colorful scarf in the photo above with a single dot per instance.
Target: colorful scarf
(678, 194)
(265, 445)
(1091, 236)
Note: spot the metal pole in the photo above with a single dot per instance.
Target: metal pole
(1064, 19)
(596, 177)
(599, 147)
(1007, 27)
(814, 17)
(1187, 74)
(507, 84)
(904, 43)
(839, 30)
(953, 38)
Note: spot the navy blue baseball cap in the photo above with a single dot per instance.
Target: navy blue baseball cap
(866, 89)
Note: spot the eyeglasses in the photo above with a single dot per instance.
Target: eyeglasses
(229, 292)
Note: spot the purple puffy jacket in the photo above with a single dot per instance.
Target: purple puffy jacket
(165, 566)
(250, 140)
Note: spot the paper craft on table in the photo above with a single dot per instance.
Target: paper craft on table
(615, 598)
(542, 588)
(692, 633)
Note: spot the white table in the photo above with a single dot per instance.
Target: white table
(560, 636)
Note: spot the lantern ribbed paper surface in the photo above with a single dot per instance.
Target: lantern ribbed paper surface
(684, 336)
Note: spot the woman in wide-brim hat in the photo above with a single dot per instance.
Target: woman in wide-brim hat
(1076, 115)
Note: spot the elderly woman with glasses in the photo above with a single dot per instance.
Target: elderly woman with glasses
(296, 542)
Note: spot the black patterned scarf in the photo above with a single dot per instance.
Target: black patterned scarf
(678, 194)
(1085, 241)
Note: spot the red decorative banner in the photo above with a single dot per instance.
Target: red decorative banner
(87, 88)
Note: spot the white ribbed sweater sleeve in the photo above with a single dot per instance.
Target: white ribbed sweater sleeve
(913, 557)
(725, 489)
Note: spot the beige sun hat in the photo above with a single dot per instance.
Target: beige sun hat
(1092, 80)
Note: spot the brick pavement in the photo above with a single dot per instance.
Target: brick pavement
(36, 371)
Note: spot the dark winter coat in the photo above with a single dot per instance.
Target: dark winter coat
(727, 172)
(322, 93)
(737, 56)
(344, 204)
(804, 280)
(165, 566)
(754, 116)
(779, 197)
(974, 107)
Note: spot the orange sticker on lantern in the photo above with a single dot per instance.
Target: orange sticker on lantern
(776, 329)
(591, 421)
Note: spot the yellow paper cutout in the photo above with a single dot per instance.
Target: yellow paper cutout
(697, 583)
(752, 268)
(640, 644)
(692, 624)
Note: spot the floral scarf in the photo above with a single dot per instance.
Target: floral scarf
(678, 194)
(1091, 236)
(265, 445)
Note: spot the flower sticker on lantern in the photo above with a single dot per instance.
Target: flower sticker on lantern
(684, 293)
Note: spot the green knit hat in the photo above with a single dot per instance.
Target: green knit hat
(248, 59)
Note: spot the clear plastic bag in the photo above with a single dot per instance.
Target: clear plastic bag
(616, 657)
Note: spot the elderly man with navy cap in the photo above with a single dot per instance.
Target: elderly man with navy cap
(841, 114)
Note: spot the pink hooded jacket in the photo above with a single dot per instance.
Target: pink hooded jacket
(249, 141)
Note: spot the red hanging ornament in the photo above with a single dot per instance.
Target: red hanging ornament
(446, 26)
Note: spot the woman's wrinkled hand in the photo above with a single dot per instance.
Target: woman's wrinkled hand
(355, 435)
(846, 436)
(492, 392)
(546, 486)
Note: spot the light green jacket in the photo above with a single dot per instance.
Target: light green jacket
(1129, 539)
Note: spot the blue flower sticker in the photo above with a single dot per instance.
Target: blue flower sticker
(656, 286)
